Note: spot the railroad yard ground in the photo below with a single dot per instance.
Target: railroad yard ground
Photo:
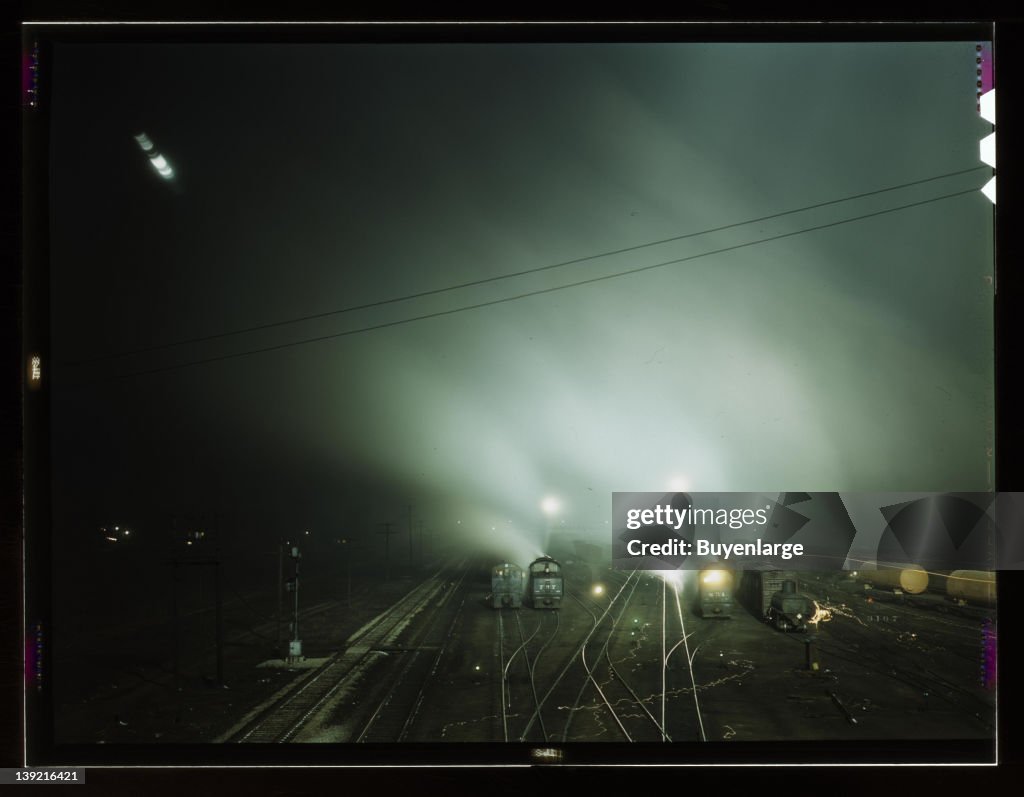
(443, 666)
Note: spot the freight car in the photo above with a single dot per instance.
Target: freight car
(715, 591)
(976, 587)
(507, 586)
(546, 584)
(911, 579)
(772, 595)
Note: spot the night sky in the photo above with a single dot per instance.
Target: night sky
(313, 178)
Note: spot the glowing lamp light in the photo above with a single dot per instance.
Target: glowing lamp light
(679, 484)
(549, 505)
(598, 589)
(713, 577)
(159, 161)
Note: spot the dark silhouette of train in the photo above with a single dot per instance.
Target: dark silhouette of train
(546, 586)
(715, 591)
(508, 583)
(773, 595)
(541, 584)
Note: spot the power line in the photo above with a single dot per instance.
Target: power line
(588, 281)
(536, 270)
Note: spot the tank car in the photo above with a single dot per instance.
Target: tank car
(972, 586)
(911, 579)
(715, 591)
(507, 582)
(546, 583)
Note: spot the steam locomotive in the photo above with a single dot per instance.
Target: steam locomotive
(772, 595)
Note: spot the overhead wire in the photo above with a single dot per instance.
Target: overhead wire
(511, 275)
(523, 295)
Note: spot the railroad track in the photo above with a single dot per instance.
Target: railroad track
(285, 717)
(517, 656)
(562, 685)
(396, 710)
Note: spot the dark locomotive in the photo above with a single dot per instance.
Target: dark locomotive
(774, 597)
(715, 591)
(546, 584)
(507, 586)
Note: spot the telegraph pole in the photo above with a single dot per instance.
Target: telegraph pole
(387, 545)
(280, 594)
(295, 645)
(408, 508)
(421, 543)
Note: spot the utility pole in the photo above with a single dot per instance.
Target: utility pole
(421, 543)
(295, 645)
(347, 549)
(280, 594)
(219, 619)
(387, 545)
(408, 508)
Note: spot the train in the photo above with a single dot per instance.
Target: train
(773, 596)
(977, 587)
(961, 587)
(715, 585)
(546, 586)
(508, 584)
(911, 579)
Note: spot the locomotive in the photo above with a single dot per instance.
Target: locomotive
(715, 591)
(546, 583)
(772, 595)
(507, 584)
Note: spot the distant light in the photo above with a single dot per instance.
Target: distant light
(713, 577)
(550, 505)
(159, 161)
(598, 589)
(307, 532)
(679, 484)
(112, 539)
(477, 667)
(188, 542)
